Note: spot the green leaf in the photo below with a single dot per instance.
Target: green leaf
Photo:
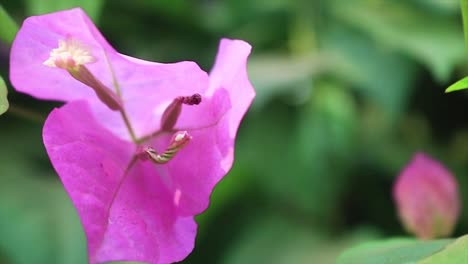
(91, 7)
(456, 252)
(8, 27)
(401, 26)
(459, 85)
(464, 11)
(406, 250)
(275, 239)
(3, 96)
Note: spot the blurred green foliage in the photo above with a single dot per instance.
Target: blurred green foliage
(3, 96)
(404, 250)
(8, 27)
(347, 91)
(393, 251)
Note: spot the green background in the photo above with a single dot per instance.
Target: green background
(347, 92)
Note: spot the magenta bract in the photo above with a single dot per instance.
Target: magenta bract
(427, 199)
(132, 208)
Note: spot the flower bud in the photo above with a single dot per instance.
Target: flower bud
(427, 199)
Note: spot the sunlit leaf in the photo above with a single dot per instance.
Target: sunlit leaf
(454, 253)
(3, 97)
(406, 250)
(459, 85)
(8, 27)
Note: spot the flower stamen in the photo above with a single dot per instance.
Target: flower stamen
(178, 141)
(172, 112)
(70, 54)
(194, 99)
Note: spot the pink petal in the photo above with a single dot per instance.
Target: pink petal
(147, 213)
(197, 168)
(146, 87)
(138, 221)
(230, 72)
(35, 40)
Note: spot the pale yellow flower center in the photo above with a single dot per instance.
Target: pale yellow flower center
(69, 54)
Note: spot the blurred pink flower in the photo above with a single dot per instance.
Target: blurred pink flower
(139, 145)
(427, 199)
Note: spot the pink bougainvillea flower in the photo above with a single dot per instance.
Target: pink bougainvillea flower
(427, 199)
(139, 145)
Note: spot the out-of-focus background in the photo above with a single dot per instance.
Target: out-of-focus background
(347, 91)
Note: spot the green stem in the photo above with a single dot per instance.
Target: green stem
(152, 135)
(464, 10)
(129, 126)
(116, 85)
